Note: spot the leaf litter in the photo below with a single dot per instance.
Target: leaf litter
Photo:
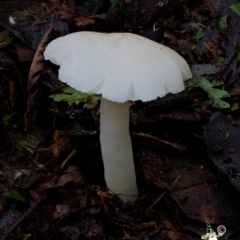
(182, 181)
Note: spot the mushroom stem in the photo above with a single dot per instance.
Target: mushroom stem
(116, 149)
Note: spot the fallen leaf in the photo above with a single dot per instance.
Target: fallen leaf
(37, 66)
(82, 21)
(222, 136)
(61, 211)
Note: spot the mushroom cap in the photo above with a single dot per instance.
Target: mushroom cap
(120, 66)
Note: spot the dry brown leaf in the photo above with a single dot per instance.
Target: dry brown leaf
(61, 9)
(38, 61)
(36, 67)
(61, 144)
(25, 53)
(104, 194)
(72, 175)
(128, 1)
(61, 211)
(82, 21)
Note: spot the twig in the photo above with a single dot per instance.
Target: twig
(22, 219)
(163, 194)
(178, 146)
(68, 158)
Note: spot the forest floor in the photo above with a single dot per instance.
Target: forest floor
(186, 146)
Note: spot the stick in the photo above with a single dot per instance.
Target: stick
(162, 195)
(22, 219)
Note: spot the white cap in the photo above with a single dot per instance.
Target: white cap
(120, 66)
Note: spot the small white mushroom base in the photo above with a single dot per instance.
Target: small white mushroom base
(116, 146)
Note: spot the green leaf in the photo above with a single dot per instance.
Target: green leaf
(235, 8)
(199, 27)
(238, 57)
(221, 59)
(115, 2)
(227, 134)
(6, 40)
(215, 94)
(71, 96)
(200, 34)
(14, 194)
(222, 23)
(6, 119)
(235, 107)
(27, 236)
(91, 102)
(25, 143)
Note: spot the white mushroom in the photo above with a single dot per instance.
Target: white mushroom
(122, 67)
